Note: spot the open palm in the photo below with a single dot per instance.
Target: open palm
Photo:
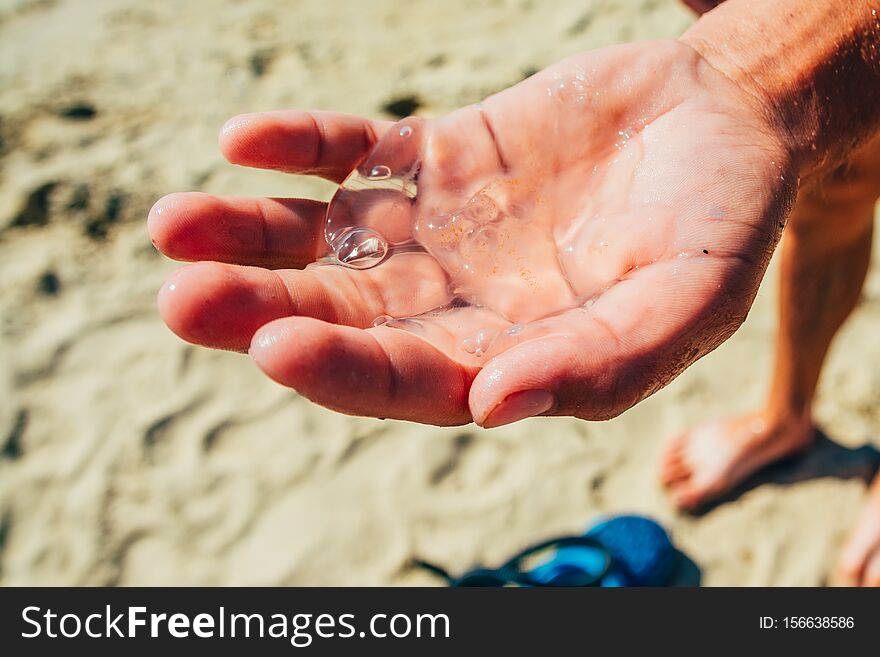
(639, 196)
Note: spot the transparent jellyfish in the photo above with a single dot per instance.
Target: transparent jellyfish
(372, 212)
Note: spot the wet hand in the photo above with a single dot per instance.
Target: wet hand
(636, 193)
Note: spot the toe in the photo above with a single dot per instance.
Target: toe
(673, 448)
(861, 549)
(687, 496)
(871, 575)
(849, 572)
(674, 471)
(673, 453)
(674, 465)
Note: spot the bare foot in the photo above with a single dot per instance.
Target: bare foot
(860, 559)
(711, 459)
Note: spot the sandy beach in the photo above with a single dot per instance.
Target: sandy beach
(128, 457)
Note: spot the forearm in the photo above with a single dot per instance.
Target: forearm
(815, 65)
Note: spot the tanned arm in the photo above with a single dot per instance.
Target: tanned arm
(815, 65)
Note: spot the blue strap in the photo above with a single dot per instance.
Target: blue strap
(511, 572)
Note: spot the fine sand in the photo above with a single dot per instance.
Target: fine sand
(129, 457)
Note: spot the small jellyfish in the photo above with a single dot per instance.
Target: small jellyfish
(376, 200)
(359, 248)
(443, 231)
(412, 324)
(381, 320)
(481, 208)
(449, 232)
(478, 343)
(479, 248)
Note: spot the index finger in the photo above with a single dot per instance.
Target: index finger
(326, 144)
(379, 372)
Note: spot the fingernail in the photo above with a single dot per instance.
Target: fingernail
(519, 406)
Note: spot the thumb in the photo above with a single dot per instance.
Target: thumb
(596, 363)
(552, 375)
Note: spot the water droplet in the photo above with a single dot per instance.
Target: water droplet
(359, 248)
(405, 131)
(516, 329)
(624, 137)
(569, 88)
(382, 320)
(379, 172)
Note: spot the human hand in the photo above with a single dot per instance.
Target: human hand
(655, 189)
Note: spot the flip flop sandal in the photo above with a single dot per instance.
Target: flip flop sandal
(624, 550)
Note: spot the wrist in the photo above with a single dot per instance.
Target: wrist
(813, 69)
(771, 105)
